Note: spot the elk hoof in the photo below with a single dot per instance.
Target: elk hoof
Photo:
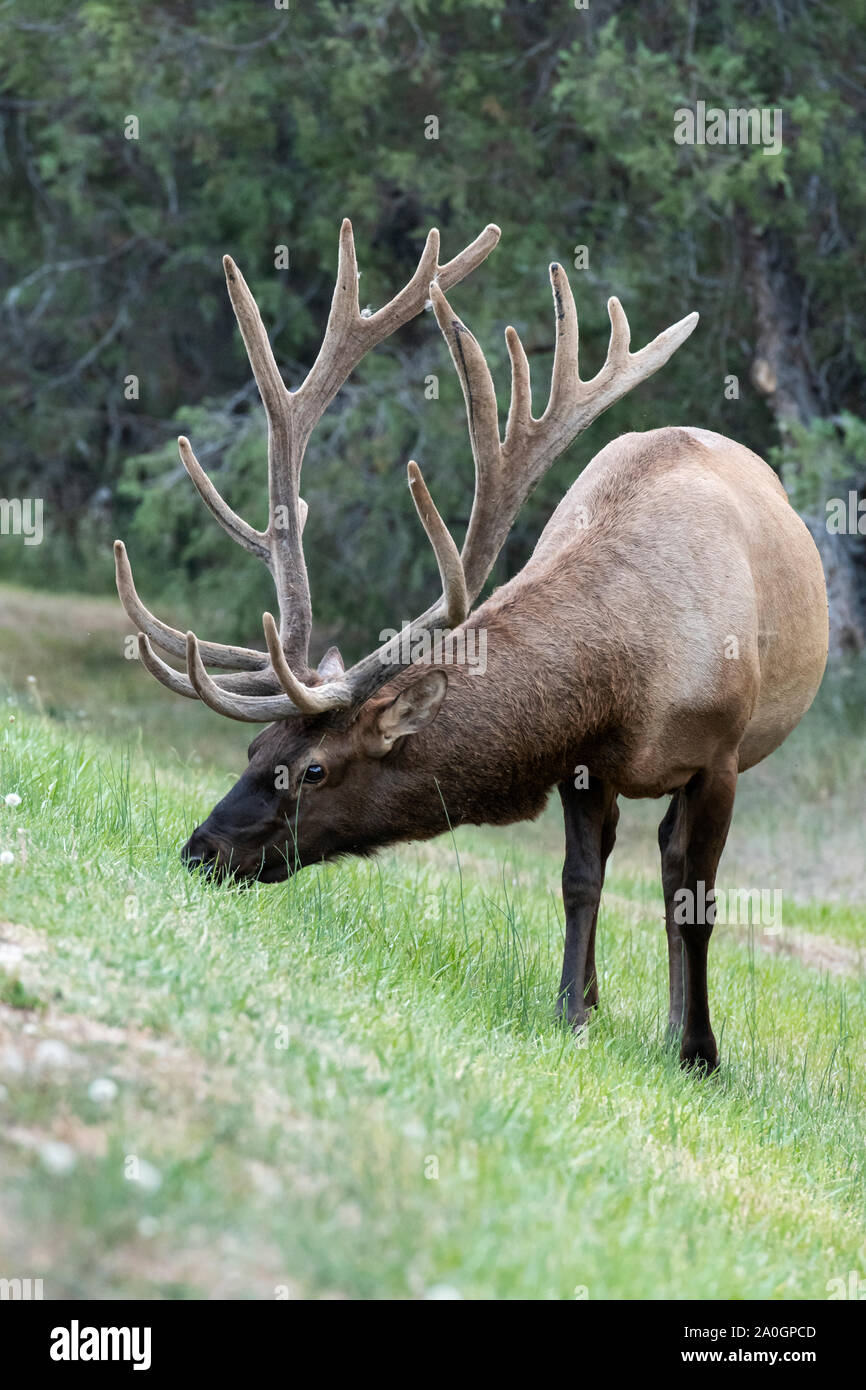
(699, 1054)
(577, 1016)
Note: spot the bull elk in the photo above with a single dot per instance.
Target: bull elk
(667, 633)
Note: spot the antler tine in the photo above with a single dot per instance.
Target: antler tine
(287, 438)
(168, 638)
(483, 419)
(565, 375)
(262, 683)
(252, 709)
(350, 334)
(446, 552)
(620, 334)
(344, 343)
(476, 381)
(307, 699)
(373, 671)
(469, 258)
(165, 674)
(256, 542)
(656, 353)
(520, 410)
(256, 341)
(345, 306)
(405, 304)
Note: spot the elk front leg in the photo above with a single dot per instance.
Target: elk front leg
(700, 829)
(591, 814)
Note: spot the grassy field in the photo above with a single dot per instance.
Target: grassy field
(353, 1085)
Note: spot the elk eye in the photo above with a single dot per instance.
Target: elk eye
(314, 773)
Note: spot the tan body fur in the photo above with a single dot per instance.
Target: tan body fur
(673, 608)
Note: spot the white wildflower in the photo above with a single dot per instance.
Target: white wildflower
(102, 1090)
(57, 1158)
(147, 1176)
(52, 1055)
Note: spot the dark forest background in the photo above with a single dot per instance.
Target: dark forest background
(260, 127)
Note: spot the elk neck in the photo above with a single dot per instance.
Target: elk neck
(553, 691)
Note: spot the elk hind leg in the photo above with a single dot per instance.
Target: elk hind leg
(672, 844)
(708, 801)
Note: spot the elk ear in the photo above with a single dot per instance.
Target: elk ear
(414, 708)
(331, 665)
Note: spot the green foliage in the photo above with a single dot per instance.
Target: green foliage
(260, 128)
(820, 456)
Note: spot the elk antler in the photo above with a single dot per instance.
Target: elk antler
(506, 471)
(251, 690)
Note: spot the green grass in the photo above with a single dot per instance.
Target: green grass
(15, 994)
(353, 1084)
(68, 656)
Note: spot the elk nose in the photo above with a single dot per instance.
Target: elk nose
(195, 856)
(195, 861)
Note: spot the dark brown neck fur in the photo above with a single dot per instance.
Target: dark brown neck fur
(503, 739)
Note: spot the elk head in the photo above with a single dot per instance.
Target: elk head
(338, 769)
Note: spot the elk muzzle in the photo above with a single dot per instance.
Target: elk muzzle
(203, 855)
(218, 856)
